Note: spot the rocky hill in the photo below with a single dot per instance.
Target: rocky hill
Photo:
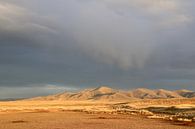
(104, 93)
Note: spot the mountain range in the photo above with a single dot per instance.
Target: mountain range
(104, 93)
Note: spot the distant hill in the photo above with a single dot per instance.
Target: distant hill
(12, 99)
(104, 93)
(186, 93)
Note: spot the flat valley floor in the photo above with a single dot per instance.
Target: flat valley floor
(81, 120)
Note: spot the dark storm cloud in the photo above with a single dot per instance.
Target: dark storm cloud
(126, 43)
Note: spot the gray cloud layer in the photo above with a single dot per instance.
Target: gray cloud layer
(127, 43)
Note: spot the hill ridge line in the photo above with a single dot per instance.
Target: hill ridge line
(105, 93)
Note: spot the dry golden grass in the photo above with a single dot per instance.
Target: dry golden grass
(163, 102)
(86, 115)
(77, 120)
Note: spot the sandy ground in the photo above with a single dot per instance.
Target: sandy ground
(75, 115)
(77, 120)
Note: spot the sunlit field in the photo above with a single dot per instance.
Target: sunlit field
(28, 114)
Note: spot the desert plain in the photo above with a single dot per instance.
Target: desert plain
(100, 108)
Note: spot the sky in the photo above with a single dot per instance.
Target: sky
(49, 46)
